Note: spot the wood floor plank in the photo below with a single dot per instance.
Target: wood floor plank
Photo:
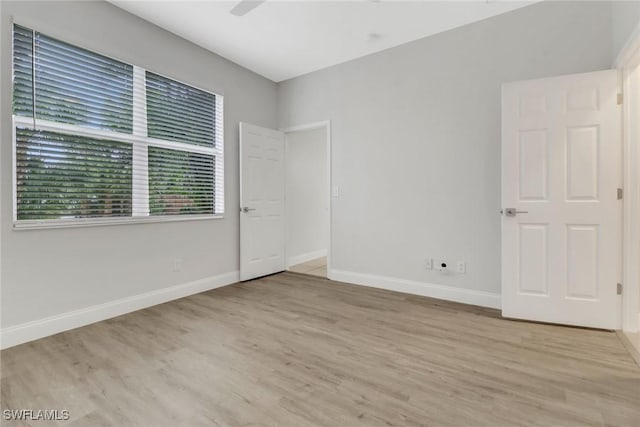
(296, 350)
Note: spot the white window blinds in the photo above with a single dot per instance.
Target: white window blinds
(67, 176)
(96, 138)
(180, 182)
(71, 85)
(177, 112)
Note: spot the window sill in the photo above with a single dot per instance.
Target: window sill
(101, 222)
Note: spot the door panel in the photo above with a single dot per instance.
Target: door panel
(582, 261)
(561, 167)
(262, 235)
(533, 259)
(533, 165)
(582, 163)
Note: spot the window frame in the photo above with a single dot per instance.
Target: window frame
(139, 142)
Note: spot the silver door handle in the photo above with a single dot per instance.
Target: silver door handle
(511, 212)
(246, 209)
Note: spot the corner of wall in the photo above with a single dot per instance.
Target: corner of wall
(625, 30)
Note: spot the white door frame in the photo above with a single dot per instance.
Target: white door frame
(627, 62)
(325, 124)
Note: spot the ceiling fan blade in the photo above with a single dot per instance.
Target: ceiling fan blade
(245, 6)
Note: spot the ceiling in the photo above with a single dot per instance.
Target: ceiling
(284, 39)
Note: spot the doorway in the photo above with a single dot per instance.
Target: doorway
(307, 195)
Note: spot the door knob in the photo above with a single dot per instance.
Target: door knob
(246, 209)
(512, 212)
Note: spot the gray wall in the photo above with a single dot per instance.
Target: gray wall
(625, 18)
(48, 272)
(416, 137)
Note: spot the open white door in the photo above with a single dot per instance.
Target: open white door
(561, 167)
(262, 183)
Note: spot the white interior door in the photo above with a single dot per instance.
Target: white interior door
(262, 183)
(561, 167)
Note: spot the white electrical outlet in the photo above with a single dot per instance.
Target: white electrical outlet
(177, 264)
(441, 266)
(461, 267)
(428, 264)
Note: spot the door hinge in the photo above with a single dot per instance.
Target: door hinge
(619, 289)
(620, 99)
(620, 193)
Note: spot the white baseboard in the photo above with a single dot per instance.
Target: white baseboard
(449, 293)
(25, 332)
(299, 259)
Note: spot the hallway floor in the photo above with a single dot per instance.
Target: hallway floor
(315, 267)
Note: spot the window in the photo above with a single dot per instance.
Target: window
(99, 141)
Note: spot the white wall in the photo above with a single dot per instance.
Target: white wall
(625, 16)
(416, 140)
(49, 272)
(307, 195)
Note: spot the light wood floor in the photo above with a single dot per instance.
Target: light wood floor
(315, 267)
(293, 350)
(632, 342)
